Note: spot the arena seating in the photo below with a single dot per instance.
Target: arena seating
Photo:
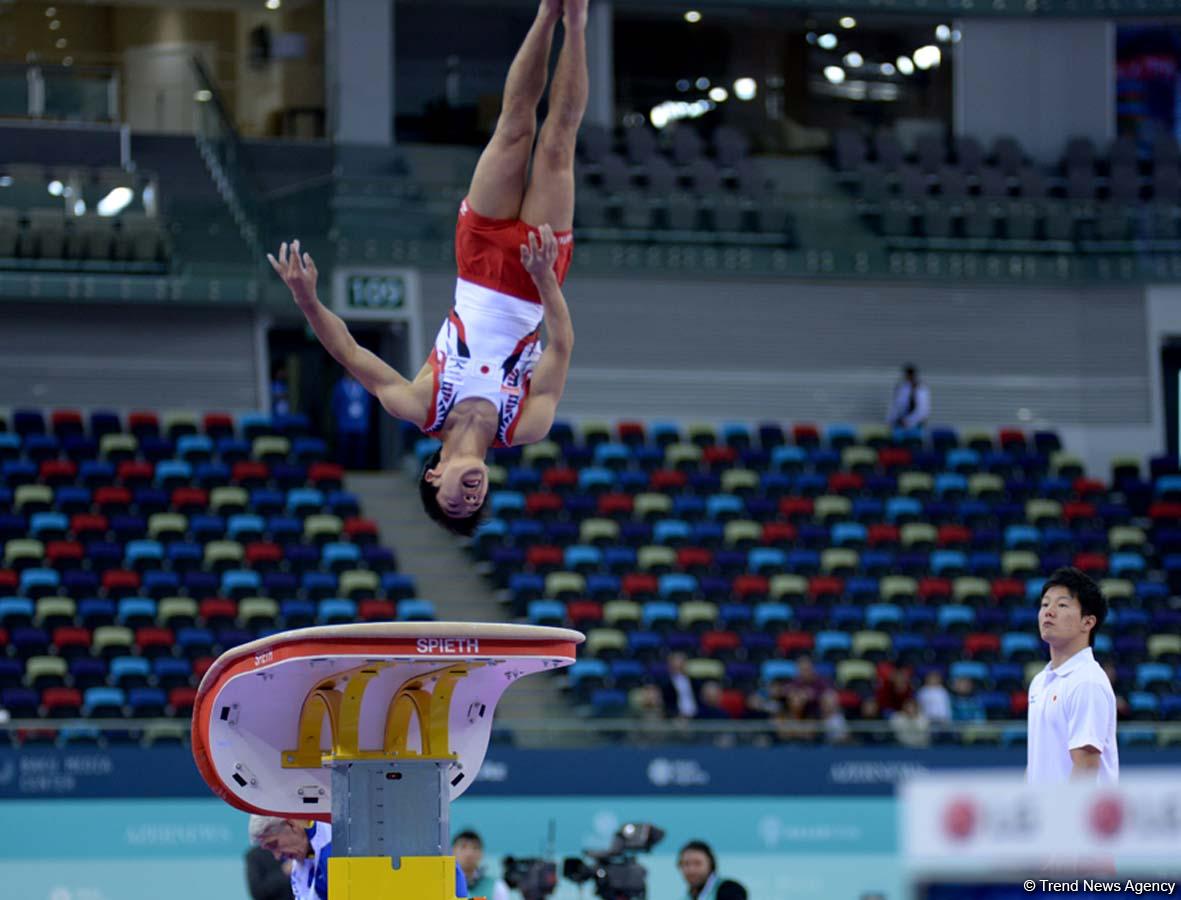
(51, 219)
(747, 547)
(135, 550)
(961, 197)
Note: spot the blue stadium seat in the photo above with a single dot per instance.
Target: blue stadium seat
(146, 702)
(37, 583)
(657, 614)
(769, 616)
(173, 473)
(336, 611)
(848, 534)
(136, 612)
(506, 504)
(948, 563)
(778, 670)
(588, 673)
(16, 611)
(170, 672)
(949, 484)
(677, 586)
(903, 508)
(973, 671)
(1020, 645)
(547, 612)
(48, 526)
(245, 528)
(240, 583)
(956, 618)
(607, 702)
(645, 644)
(883, 617)
(194, 448)
(415, 610)
(131, 671)
(142, 554)
(766, 560)
(1154, 676)
(103, 703)
(594, 479)
(723, 506)
(836, 643)
(398, 585)
(337, 556)
(304, 501)
(602, 586)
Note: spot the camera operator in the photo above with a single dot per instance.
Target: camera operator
(699, 868)
(468, 848)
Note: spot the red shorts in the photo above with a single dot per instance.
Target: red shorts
(488, 253)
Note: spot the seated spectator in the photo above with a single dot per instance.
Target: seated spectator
(648, 705)
(965, 705)
(910, 406)
(836, 728)
(1122, 708)
(871, 713)
(806, 689)
(893, 691)
(710, 704)
(910, 726)
(934, 699)
(680, 695)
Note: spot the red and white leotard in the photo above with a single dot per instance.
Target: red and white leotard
(491, 340)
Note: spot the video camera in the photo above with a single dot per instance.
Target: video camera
(534, 878)
(616, 874)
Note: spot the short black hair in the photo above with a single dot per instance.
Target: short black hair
(468, 835)
(909, 370)
(463, 527)
(700, 847)
(1084, 589)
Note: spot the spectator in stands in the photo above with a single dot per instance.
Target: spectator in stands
(911, 405)
(836, 728)
(805, 690)
(934, 699)
(680, 695)
(648, 704)
(266, 877)
(699, 868)
(965, 705)
(709, 706)
(871, 713)
(1122, 707)
(468, 848)
(894, 690)
(280, 391)
(350, 410)
(910, 726)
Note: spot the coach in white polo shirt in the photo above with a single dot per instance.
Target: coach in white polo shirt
(1071, 703)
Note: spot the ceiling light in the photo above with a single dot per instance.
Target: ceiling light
(50, 12)
(683, 85)
(5, 181)
(719, 94)
(274, 4)
(854, 60)
(702, 83)
(956, 35)
(905, 66)
(827, 41)
(927, 57)
(55, 25)
(659, 116)
(67, 60)
(79, 207)
(746, 88)
(692, 17)
(203, 96)
(848, 22)
(115, 202)
(811, 37)
(887, 69)
(56, 188)
(834, 74)
(942, 33)
(61, 43)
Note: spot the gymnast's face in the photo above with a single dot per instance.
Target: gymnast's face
(463, 484)
(287, 841)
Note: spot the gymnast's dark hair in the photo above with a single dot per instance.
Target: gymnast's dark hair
(700, 847)
(464, 527)
(1084, 589)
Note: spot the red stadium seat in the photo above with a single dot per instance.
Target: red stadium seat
(934, 590)
(667, 481)
(88, 527)
(1012, 439)
(796, 509)
(250, 473)
(779, 533)
(559, 478)
(795, 643)
(616, 504)
(954, 536)
(714, 643)
(734, 703)
(201, 665)
(542, 504)
(181, 699)
(805, 434)
(217, 424)
(67, 422)
(690, 558)
(361, 531)
(141, 423)
(845, 483)
(56, 472)
(584, 613)
(632, 433)
(63, 555)
(825, 587)
(1008, 590)
(1019, 703)
(71, 641)
(543, 557)
(982, 646)
(1078, 510)
(850, 700)
(153, 641)
(326, 475)
(1089, 487)
(1165, 512)
(132, 473)
(263, 555)
(9, 581)
(718, 455)
(118, 583)
(894, 458)
(639, 585)
(62, 702)
(112, 499)
(751, 588)
(376, 611)
(215, 611)
(1094, 564)
(190, 500)
(883, 535)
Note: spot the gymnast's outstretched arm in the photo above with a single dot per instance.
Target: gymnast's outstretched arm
(549, 378)
(381, 380)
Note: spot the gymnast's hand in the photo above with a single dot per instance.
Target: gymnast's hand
(538, 256)
(298, 273)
